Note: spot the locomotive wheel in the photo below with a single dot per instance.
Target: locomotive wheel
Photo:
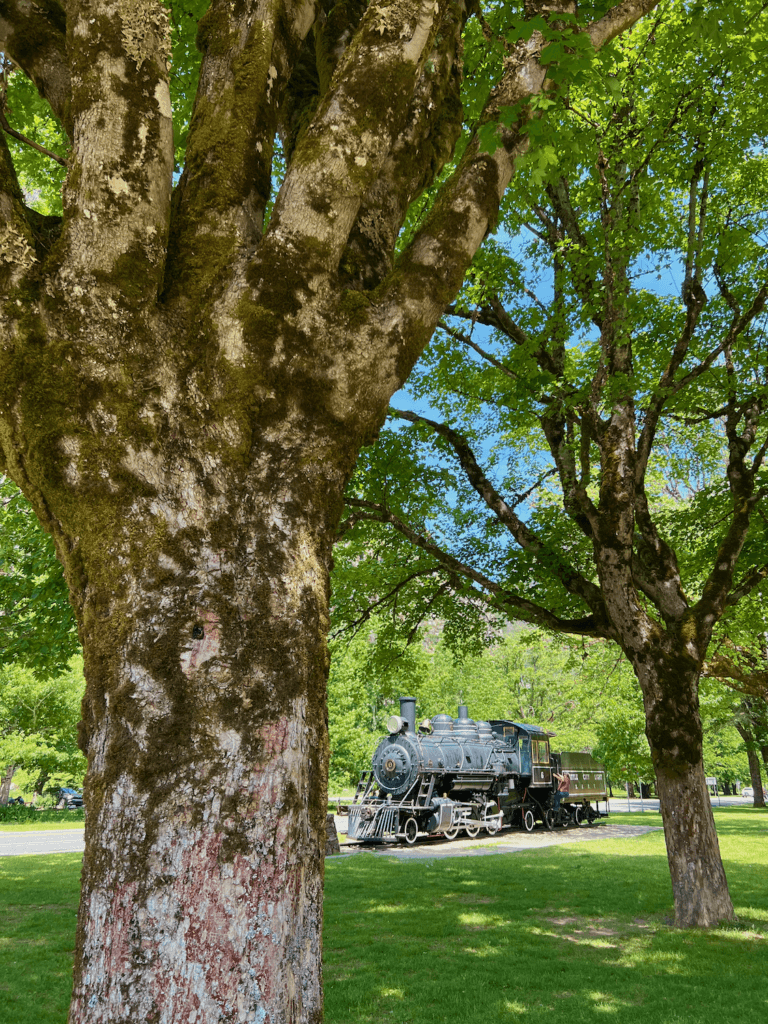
(411, 831)
(549, 819)
(471, 830)
(565, 818)
(452, 832)
(529, 821)
(493, 826)
(579, 816)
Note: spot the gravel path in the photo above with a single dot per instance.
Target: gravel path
(506, 842)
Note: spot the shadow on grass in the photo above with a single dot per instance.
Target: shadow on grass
(574, 933)
(38, 915)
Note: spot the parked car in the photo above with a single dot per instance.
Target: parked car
(748, 791)
(69, 799)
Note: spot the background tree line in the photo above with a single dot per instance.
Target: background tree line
(586, 695)
(583, 692)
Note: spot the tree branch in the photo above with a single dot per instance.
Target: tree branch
(617, 20)
(17, 242)
(33, 34)
(367, 612)
(28, 142)
(334, 165)
(668, 387)
(250, 51)
(432, 127)
(434, 263)
(569, 577)
(747, 585)
(526, 610)
(117, 194)
(753, 682)
(464, 339)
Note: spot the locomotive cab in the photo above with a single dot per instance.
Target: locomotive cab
(531, 745)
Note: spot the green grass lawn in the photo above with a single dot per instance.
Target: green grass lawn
(570, 934)
(38, 912)
(40, 826)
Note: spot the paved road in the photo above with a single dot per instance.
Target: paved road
(484, 845)
(70, 840)
(59, 840)
(619, 803)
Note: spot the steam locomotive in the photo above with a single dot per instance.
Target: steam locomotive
(456, 775)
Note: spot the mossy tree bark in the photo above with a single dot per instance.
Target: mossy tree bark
(182, 398)
(673, 728)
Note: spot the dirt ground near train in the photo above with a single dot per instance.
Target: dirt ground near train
(508, 841)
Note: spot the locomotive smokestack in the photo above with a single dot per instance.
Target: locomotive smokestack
(408, 712)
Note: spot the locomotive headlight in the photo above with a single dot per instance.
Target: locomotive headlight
(394, 724)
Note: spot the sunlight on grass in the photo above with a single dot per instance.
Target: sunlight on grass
(475, 919)
(745, 935)
(383, 908)
(604, 1003)
(516, 1008)
(572, 934)
(752, 913)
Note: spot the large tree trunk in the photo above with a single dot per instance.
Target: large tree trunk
(673, 728)
(205, 730)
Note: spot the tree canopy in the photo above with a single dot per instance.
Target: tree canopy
(38, 724)
(37, 625)
(644, 220)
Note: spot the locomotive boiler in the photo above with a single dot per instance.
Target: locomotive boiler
(454, 775)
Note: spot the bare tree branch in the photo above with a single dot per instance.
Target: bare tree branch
(524, 609)
(571, 579)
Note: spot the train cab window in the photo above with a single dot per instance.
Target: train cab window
(510, 733)
(541, 752)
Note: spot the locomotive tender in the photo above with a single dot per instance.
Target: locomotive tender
(455, 774)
